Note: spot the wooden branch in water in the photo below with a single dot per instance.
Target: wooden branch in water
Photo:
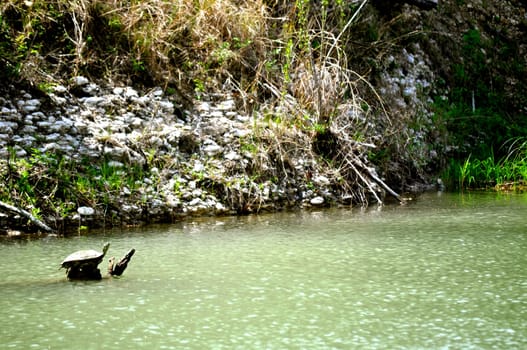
(383, 185)
(118, 269)
(373, 175)
(365, 181)
(27, 215)
(366, 174)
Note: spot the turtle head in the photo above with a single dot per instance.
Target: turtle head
(105, 247)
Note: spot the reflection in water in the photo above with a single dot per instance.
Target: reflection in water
(443, 272)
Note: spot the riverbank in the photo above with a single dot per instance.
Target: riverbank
(125, 115)
(127, 157)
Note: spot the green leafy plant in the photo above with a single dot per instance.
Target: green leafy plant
(489, 173)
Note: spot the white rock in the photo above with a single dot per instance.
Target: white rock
(50, 147)
(321, 180)
(93, 101)
(203, 107)
(29, 129)
(53, 137)
(166, 106)
(59, 89)
(157, 203)
(20, 153)
(118, 91)
(227, 105)
(242, 118)
(143, 100)
(129, 92)
(115, 164)
(127, 208)
(194, 202)
(317, 200)
(91, 89)
(60, 101)
(172, 201)
(232, 156)
(216, 114)
(61, 126)
(67, 149)
(409, 91)
(80, 80)
(85, 211)
(26, 141)
(241, 132)
(220, 207)
(4, 153)
(8, 127)
(212, 150)
(31, 105)
(33, 102)
(114, 152)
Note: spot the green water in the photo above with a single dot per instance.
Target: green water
(443, 272)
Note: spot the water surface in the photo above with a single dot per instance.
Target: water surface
(442, 272)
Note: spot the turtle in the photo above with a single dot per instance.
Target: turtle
(83, 263)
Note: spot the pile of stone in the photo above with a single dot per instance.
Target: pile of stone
(199, 162)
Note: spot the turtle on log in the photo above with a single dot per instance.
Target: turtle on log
(83, 264)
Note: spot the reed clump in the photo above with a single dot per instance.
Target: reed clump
(508, 173)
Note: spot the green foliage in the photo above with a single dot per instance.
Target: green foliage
(478, 112)
(55, 184)
(7, 58)
(199, 87)
(114, 23)
(46, 87)
(288, 59)
(470, 76)
(248, 144)
(138, 65)
(489, 172)
(222, 53)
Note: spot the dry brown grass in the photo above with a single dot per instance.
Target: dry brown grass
(197, 45)
(167, 41)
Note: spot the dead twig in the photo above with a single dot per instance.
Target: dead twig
(27, 215)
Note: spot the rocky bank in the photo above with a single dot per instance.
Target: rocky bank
(91, 153)
(211, 160)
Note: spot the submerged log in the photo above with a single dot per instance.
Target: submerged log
(87, 273)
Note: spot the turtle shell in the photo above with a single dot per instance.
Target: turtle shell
(85, 257)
